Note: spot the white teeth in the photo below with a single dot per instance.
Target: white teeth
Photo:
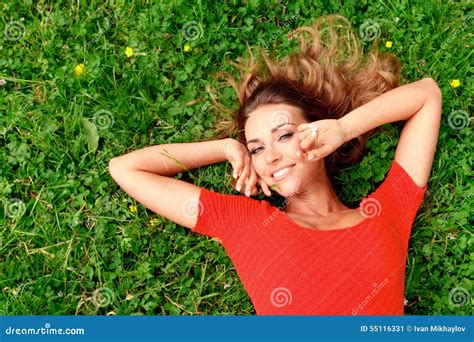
(281, 172)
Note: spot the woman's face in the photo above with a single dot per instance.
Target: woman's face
(272, 138)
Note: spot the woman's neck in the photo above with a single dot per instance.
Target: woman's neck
(318, 199)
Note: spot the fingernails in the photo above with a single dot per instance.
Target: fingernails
(247, 193)
(298, 153)
(310, 157)
(238, 187)
(235, 174)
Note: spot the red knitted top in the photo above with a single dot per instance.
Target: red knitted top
(288, 269)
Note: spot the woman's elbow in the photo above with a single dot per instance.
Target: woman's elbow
(433, 88)
(115, 167)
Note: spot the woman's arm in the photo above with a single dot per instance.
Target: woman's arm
(419, 103)
(147, 175)
(169, 159)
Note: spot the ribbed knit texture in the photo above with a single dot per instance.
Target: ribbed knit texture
(288, 269)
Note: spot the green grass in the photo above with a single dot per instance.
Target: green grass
(68, 240)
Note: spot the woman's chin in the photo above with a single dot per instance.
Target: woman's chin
(287, 186)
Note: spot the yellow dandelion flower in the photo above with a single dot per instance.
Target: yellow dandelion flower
(388, 44)
(132, 208)
(455, 83)
(187, 48)
(129, 52)
(79, 69)
(153, 222)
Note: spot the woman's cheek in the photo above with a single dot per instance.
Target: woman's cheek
(259, 169)
(254, 166)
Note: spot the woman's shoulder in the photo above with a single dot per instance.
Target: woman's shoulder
(397, 194)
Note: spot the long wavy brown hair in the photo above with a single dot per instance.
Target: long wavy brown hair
(326, 79)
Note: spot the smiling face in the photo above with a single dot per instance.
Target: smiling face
(271, 132)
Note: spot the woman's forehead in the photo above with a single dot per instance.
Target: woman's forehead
(268, 117)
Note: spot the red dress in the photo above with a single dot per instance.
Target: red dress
(288, 269)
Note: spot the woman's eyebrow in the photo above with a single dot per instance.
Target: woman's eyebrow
(272, 131)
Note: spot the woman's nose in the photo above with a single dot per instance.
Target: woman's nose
(272, 155)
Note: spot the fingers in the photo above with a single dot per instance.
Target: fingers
(304, 126)
(311, 129)
(308, 139)
(237, 166)
(240, 185)
(264, 187)
(320, 152)
(309, 142)
(250, 183)
(300, 155)
(248, 180)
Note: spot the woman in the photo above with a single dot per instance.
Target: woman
(299, 122)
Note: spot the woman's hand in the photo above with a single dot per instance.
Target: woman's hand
(241, 161)
(320, 138)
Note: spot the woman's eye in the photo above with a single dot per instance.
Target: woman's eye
(289, 135)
